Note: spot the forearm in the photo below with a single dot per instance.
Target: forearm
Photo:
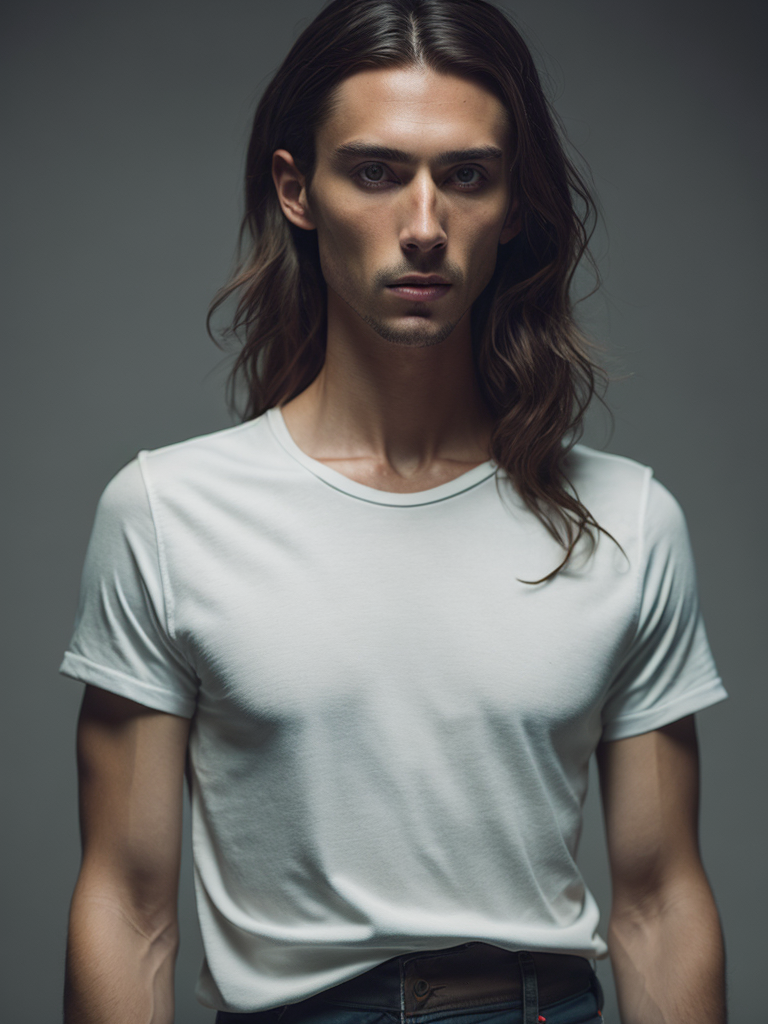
(120, 965)
(668, 957)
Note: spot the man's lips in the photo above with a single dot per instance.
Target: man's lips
(420, 292)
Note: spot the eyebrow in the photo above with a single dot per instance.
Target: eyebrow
(451, 156)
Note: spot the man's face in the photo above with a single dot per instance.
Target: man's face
(412, 178)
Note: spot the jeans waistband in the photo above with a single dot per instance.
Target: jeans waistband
(474, 974)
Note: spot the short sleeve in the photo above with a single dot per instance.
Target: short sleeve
(668, 671)
(121, 640)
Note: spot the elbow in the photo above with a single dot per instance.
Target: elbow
(650, 899)
(142, 902)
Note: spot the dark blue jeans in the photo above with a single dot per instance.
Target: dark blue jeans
(393, 997)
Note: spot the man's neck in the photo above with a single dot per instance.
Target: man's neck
(394, 417)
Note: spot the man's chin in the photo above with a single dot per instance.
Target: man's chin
(420, 332)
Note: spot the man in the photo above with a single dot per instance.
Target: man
(385, 622)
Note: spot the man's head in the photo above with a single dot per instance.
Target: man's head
(404, 74)
(410, 197)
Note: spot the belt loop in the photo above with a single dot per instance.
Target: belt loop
(530, 988)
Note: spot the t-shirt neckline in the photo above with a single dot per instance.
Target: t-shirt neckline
(461, 483)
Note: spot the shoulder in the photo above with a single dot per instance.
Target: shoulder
(124, 499)
(625, 497)
(222, 450)
(187, 469)
(200, 465)
(604, 476)
(614, 488)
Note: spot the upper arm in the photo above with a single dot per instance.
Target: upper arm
(131, 762)
(650, 793)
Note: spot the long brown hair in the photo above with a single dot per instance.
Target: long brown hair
(534, 365)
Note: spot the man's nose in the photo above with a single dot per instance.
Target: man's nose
(423, 227)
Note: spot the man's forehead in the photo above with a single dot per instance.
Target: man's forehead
(413, 110)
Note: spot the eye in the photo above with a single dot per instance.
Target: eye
(465, 179)
(372, 175)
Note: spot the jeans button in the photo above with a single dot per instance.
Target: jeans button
(421, 988)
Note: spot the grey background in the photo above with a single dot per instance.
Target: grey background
(125, 128)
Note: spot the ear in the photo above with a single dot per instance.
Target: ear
(291, 193)
(513, 224)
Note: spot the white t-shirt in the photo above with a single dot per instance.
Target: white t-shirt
(391, 732)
